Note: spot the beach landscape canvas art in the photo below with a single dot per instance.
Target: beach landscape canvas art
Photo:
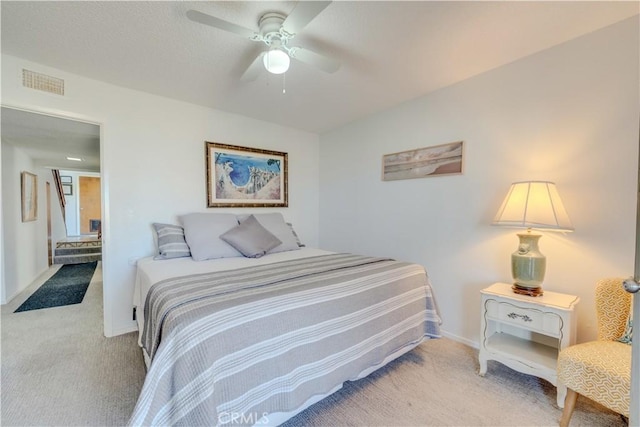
(438, 160)
(29, 195)
(245, 177)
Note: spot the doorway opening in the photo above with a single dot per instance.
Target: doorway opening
(83, 218)
(44, 145)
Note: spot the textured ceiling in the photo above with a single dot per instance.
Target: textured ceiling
(390, 51)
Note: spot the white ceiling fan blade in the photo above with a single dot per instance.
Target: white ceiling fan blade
(254, 70)
(315, 59)
(302, 14)
(212, 21)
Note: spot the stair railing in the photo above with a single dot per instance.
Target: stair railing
(63, 202)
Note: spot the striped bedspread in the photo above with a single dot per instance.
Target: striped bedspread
(232, 347)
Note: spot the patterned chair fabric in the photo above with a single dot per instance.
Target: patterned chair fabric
(613, 306)
(601, 370)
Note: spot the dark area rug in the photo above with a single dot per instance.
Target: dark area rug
(67, 286)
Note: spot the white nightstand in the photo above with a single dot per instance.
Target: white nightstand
(526, 333)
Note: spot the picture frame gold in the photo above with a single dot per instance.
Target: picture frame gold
(245, 177)
(29, 193)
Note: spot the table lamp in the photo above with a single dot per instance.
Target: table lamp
(531, 205)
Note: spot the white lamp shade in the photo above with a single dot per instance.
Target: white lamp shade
(533, 204)
(276, 61)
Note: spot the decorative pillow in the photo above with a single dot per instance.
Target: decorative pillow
(251, 238)
(628, 333)
(171, 243)
(295, 234)
(274, 223)
(202, 232)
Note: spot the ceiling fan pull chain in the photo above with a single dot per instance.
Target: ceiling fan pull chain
(284, 89)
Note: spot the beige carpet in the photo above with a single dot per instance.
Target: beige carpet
(59, 370)
(437, 385)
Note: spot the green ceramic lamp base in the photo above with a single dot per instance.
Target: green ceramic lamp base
(528, 265)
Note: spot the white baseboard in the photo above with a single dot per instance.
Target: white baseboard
(39, 277)
(122, 329)
(460, 339)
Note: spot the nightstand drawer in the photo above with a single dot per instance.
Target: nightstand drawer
(522, 317)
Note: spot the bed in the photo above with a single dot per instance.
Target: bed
(254, 341)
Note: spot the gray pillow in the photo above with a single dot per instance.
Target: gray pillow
(274, 223)
(202, 232)
(250, 238)
(171, 243)
(296, 234)
(627, 337)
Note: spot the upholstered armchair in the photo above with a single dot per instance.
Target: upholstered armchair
(600, 370)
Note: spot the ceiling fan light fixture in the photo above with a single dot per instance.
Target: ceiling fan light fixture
(276, 61)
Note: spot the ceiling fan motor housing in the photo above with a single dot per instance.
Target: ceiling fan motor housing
(270, 25)
(276, 61)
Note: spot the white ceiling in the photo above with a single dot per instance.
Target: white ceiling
(50, 140)
(390, 51)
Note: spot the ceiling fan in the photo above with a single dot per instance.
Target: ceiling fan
(276, 30)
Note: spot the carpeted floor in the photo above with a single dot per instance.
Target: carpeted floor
(59, 370)
(67, 286)
(437, 385)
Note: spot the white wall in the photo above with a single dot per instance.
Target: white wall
(25, 243)
(3, 296)
(153, 167)
(568, 114)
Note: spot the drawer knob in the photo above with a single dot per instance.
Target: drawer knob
(522, 316)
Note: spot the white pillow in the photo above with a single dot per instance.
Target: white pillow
(202, 232)
(275, 224)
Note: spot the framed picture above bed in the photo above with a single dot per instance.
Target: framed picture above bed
(245, 177)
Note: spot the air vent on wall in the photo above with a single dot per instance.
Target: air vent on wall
(42, 82)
